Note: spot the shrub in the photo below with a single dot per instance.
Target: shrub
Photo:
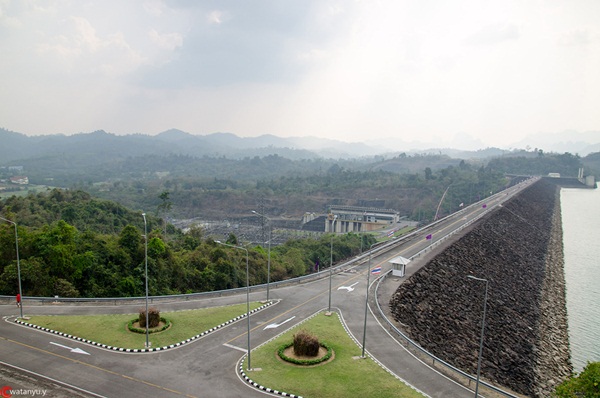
(153, 317)
(585, 384)
(304, 362)
(132, 328)
(306, 344)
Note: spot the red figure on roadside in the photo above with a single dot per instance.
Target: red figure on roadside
(18, 299)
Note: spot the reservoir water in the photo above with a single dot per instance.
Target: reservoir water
(580, 210)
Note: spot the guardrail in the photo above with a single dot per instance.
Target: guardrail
(217, 293)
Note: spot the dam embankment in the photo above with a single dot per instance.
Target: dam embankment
(518, 249)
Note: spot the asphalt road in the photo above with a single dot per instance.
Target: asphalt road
(208, 366)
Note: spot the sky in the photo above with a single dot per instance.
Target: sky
(476, 72)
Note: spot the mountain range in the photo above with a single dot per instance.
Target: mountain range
(103, 145)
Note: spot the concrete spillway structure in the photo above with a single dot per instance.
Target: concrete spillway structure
(343, 219)
(518, 249)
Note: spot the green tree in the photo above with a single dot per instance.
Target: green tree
(584, 385)
(130, 239)
(64, 288)
(165, 206)
(428, 173)
(232, 239)
(58, 246)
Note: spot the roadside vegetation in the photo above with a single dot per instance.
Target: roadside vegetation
(57, 258)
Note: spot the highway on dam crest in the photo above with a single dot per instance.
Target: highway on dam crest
(208, 366)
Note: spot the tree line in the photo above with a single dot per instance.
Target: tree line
(58, 258)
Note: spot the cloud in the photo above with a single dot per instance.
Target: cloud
(155, 7)
(216, 17)
(83, 51)
(236, 44)
(9, 22)
(85, 36)
(580, 36)
(167, 41)
(494, 34)
(336, 68)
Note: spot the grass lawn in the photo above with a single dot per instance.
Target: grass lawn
(26, 191)
(112, 329)
(342, 377)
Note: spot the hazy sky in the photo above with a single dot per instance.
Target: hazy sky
(353, 70)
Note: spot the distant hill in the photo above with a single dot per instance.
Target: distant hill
(97, 146)
(581, 143)
(99, 155)
(100, 147)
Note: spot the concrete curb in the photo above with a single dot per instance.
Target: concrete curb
(263, 388)
(146, 350)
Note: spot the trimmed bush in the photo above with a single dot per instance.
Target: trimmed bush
(153, 317)
(306, 344)
(132, 328)
(304, 362)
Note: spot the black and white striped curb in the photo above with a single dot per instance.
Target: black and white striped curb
(263, 388)
(145, 350)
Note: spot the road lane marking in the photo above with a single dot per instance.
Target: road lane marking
(97, 368)
(276, 325)
(73, 350)
(236, 347)
(348, 288)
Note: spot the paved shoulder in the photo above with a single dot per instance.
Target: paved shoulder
(30, 384)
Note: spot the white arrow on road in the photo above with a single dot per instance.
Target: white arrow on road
(349, 288)
(75, 350)
(276, 325)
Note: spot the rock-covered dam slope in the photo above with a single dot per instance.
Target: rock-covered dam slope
(518, 249)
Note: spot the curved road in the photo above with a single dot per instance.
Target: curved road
(207, 367)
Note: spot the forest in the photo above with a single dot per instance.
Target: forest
(87, 239)
(73, 245)
(415, 195)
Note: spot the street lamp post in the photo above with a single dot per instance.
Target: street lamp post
(331, 262)
(482, 331)
(269, 250)
(367, 299)
(18, 262)
(247, 294)
(330, 272)
(146, 272)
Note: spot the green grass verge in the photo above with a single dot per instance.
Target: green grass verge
(342, 377)
(27, 189)
(112, 329)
